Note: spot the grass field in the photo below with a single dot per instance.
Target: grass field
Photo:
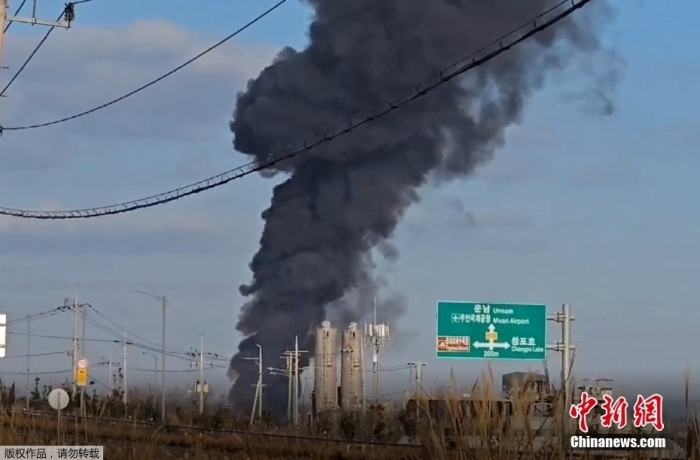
(447, 429)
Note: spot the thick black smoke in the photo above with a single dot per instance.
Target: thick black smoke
(347, 197)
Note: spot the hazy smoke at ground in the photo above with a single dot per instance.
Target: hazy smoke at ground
(347, 197)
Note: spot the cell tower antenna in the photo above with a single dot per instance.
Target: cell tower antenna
(377, 337)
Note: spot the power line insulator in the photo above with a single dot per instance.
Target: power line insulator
(69, 12)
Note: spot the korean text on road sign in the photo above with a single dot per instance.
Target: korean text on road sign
(647, 411)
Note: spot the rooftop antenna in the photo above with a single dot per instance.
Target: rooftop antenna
(377, 337)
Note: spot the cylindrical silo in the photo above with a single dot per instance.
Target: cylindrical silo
(325, 369)
(351, 369)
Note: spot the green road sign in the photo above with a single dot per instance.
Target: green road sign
(491, 331)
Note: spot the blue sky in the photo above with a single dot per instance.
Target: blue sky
(575, 208)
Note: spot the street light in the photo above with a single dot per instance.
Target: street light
(164, 304)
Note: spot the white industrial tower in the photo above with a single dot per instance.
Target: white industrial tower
(376, 337)
(352, 370)
(325, 368)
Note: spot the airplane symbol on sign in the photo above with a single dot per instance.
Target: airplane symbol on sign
(455, 317)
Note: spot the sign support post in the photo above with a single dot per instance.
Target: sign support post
(565, 347)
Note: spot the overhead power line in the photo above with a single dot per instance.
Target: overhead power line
(67, 12)
(176, 371)
(294, 150)
(19, 8)
(145, 343)
(34, 355)
(33, 53)
(65, 371)
(152, 82)
(42, 315)
(63, 337)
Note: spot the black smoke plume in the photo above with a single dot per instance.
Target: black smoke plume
(346, 197)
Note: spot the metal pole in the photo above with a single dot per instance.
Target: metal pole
(288, 358)
(3, 20)
(29, 342)
(83, 317)
(415, 393)
(255, 404)
(109, 367)
(124, 373)
(162, 364)
(260, 384)
(201, 375)
(566, 362)
(295, 385)
(376, 370)
(74, 385)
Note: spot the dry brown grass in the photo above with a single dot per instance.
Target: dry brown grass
(475, 429)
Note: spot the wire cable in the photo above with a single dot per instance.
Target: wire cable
(294, 150)
(36, 49)
(42, 315)
(65, 371)
(152, 82)
(180, 354)
(67, 13)
(131, 333)
(62, 337)
(32, 355)
(21, 5)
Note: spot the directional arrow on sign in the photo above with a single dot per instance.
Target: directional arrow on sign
(492, 345)
(492, 327)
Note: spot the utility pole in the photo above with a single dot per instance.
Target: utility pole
(201, 387)
(565, 347)
(164, 304)
(257, 402)
(290, 386)
(74, 386)
(29, 343)
(83, 317)
(295, 386)
(419, 381)
(3, 20)
(124, 373)
(201, 375)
